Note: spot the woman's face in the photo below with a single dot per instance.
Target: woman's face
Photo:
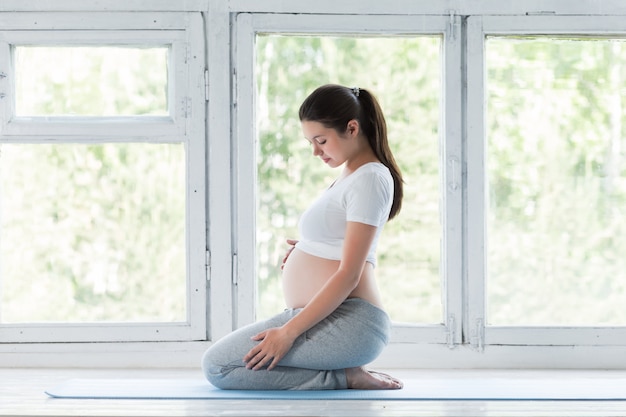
(327, 143)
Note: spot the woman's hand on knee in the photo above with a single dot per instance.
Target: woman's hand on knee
(274, 345)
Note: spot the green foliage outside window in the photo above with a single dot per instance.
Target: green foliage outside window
(557, 180)
(95, 232)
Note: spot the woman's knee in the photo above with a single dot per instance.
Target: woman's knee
(220, 372)
(214, 365)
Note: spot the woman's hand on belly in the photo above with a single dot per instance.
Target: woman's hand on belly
(292, 243)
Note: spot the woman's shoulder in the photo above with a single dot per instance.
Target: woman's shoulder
(373, 175)
(374, 169)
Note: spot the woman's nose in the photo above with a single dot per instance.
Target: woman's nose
(316, 150)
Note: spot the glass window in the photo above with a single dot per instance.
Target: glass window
(91, 80)
(405, 74)
(92, 233)
(556, 180)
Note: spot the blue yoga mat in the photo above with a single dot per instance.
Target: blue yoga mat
(414, 389)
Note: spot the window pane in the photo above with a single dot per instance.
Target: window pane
(557, 181)
(405, 74)
(90, 80)
(92, 233)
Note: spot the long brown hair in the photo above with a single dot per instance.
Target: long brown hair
(335, 105)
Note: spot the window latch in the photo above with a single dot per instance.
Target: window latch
(451, 330)
(207, 264)
(478, 342)
(455, 171)
(206, 85)
(452, 24)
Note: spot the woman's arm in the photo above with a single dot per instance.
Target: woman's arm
(276, 342)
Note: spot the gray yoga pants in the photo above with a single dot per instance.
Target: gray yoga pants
(353, 335)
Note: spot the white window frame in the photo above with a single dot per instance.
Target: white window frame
(183, 34)
(600, 339)
(246, 27)
(217, 214)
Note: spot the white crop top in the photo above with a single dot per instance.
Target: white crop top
(365, 196)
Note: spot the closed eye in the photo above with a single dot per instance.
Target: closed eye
(317, 139)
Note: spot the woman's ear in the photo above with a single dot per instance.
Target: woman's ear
(353, 127)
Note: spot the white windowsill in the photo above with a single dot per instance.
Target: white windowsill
(159, 355)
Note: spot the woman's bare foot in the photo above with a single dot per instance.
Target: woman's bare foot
(361, 378)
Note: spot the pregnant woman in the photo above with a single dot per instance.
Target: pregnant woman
(334, 323)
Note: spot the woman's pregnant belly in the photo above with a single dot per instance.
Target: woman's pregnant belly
(304, 275)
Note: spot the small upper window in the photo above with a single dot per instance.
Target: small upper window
(97, 81)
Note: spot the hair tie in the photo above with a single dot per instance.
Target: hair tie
(356, 91)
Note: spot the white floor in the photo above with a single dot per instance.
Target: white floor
(22, 394)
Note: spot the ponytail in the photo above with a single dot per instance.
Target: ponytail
(334, 106)
(375, 129)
